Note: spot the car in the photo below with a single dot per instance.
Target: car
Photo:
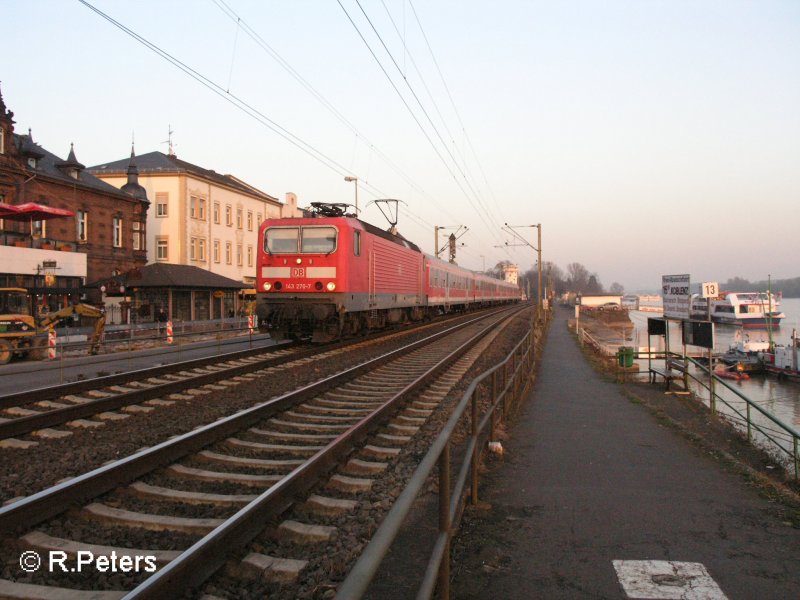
(608, 306)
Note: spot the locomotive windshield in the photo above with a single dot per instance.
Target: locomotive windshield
(318, 240)
(281, 240)
(310, 239)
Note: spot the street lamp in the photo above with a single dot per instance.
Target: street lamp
(350, 179)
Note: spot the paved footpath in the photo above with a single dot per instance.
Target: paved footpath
(596, 499)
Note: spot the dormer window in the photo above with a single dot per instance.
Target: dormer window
(73, 173)
(32, 162)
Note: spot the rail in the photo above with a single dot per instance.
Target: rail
(505, 384)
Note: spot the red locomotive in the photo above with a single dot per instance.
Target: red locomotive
(332, 275)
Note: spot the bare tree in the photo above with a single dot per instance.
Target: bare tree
(577, 277)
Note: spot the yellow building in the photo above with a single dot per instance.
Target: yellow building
(199, 217)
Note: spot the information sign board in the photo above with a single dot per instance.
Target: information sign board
(656, 326)
(698, 333)
(675, 291)
(710, 289)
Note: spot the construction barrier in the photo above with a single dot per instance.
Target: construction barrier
(169, 331)
(51, 344)
(251, 323)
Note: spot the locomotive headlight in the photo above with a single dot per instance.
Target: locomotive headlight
(331, 286)
(299, 261)
(267, 286)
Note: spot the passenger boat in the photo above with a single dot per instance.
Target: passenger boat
(747, 309)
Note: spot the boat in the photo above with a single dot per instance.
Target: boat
(746, 309)
(784, 361)
(746, 354)
(730, 373)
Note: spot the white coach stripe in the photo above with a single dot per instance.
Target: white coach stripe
(275, 271)
(322, 272)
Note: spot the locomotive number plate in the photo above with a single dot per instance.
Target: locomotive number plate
(298, 272)
(297, 286)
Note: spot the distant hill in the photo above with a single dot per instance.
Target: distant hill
(790, 288)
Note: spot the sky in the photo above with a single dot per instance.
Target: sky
(645, 137)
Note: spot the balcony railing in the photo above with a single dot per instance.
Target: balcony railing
(21, 240)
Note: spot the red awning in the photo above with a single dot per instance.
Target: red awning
(32, 211)
(7, 209)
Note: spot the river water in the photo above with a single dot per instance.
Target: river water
(779, 397)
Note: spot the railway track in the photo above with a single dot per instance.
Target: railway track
(192, 503)
(36, 412)
(90, 403)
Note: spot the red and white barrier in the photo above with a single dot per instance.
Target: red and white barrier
(169, 331)
(251, 323)
(51, 344)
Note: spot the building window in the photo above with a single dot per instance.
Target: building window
(162, 204)
(162, 249)
(38, 229)
(197, 249)
(31, 162)
(216, 213)
(82, 225)
(259, 219)
(239, 254)
(238, 218)
(249, 220)
(117, 232)
(197, 208)
(216, 251)
(138, 235)
(2, 141)
(228, 215)
(249, 256)
(228, 252)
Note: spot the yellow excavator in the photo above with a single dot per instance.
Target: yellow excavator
(23, 334)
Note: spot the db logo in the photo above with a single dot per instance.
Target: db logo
(298, 272)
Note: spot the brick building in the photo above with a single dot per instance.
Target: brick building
(104, 238)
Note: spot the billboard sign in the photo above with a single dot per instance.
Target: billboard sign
(675, 291)
(698, 333)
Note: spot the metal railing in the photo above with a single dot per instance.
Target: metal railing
(124, 341)
(777, 435)
(772, 433)
(762, 427)
(503, 385)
